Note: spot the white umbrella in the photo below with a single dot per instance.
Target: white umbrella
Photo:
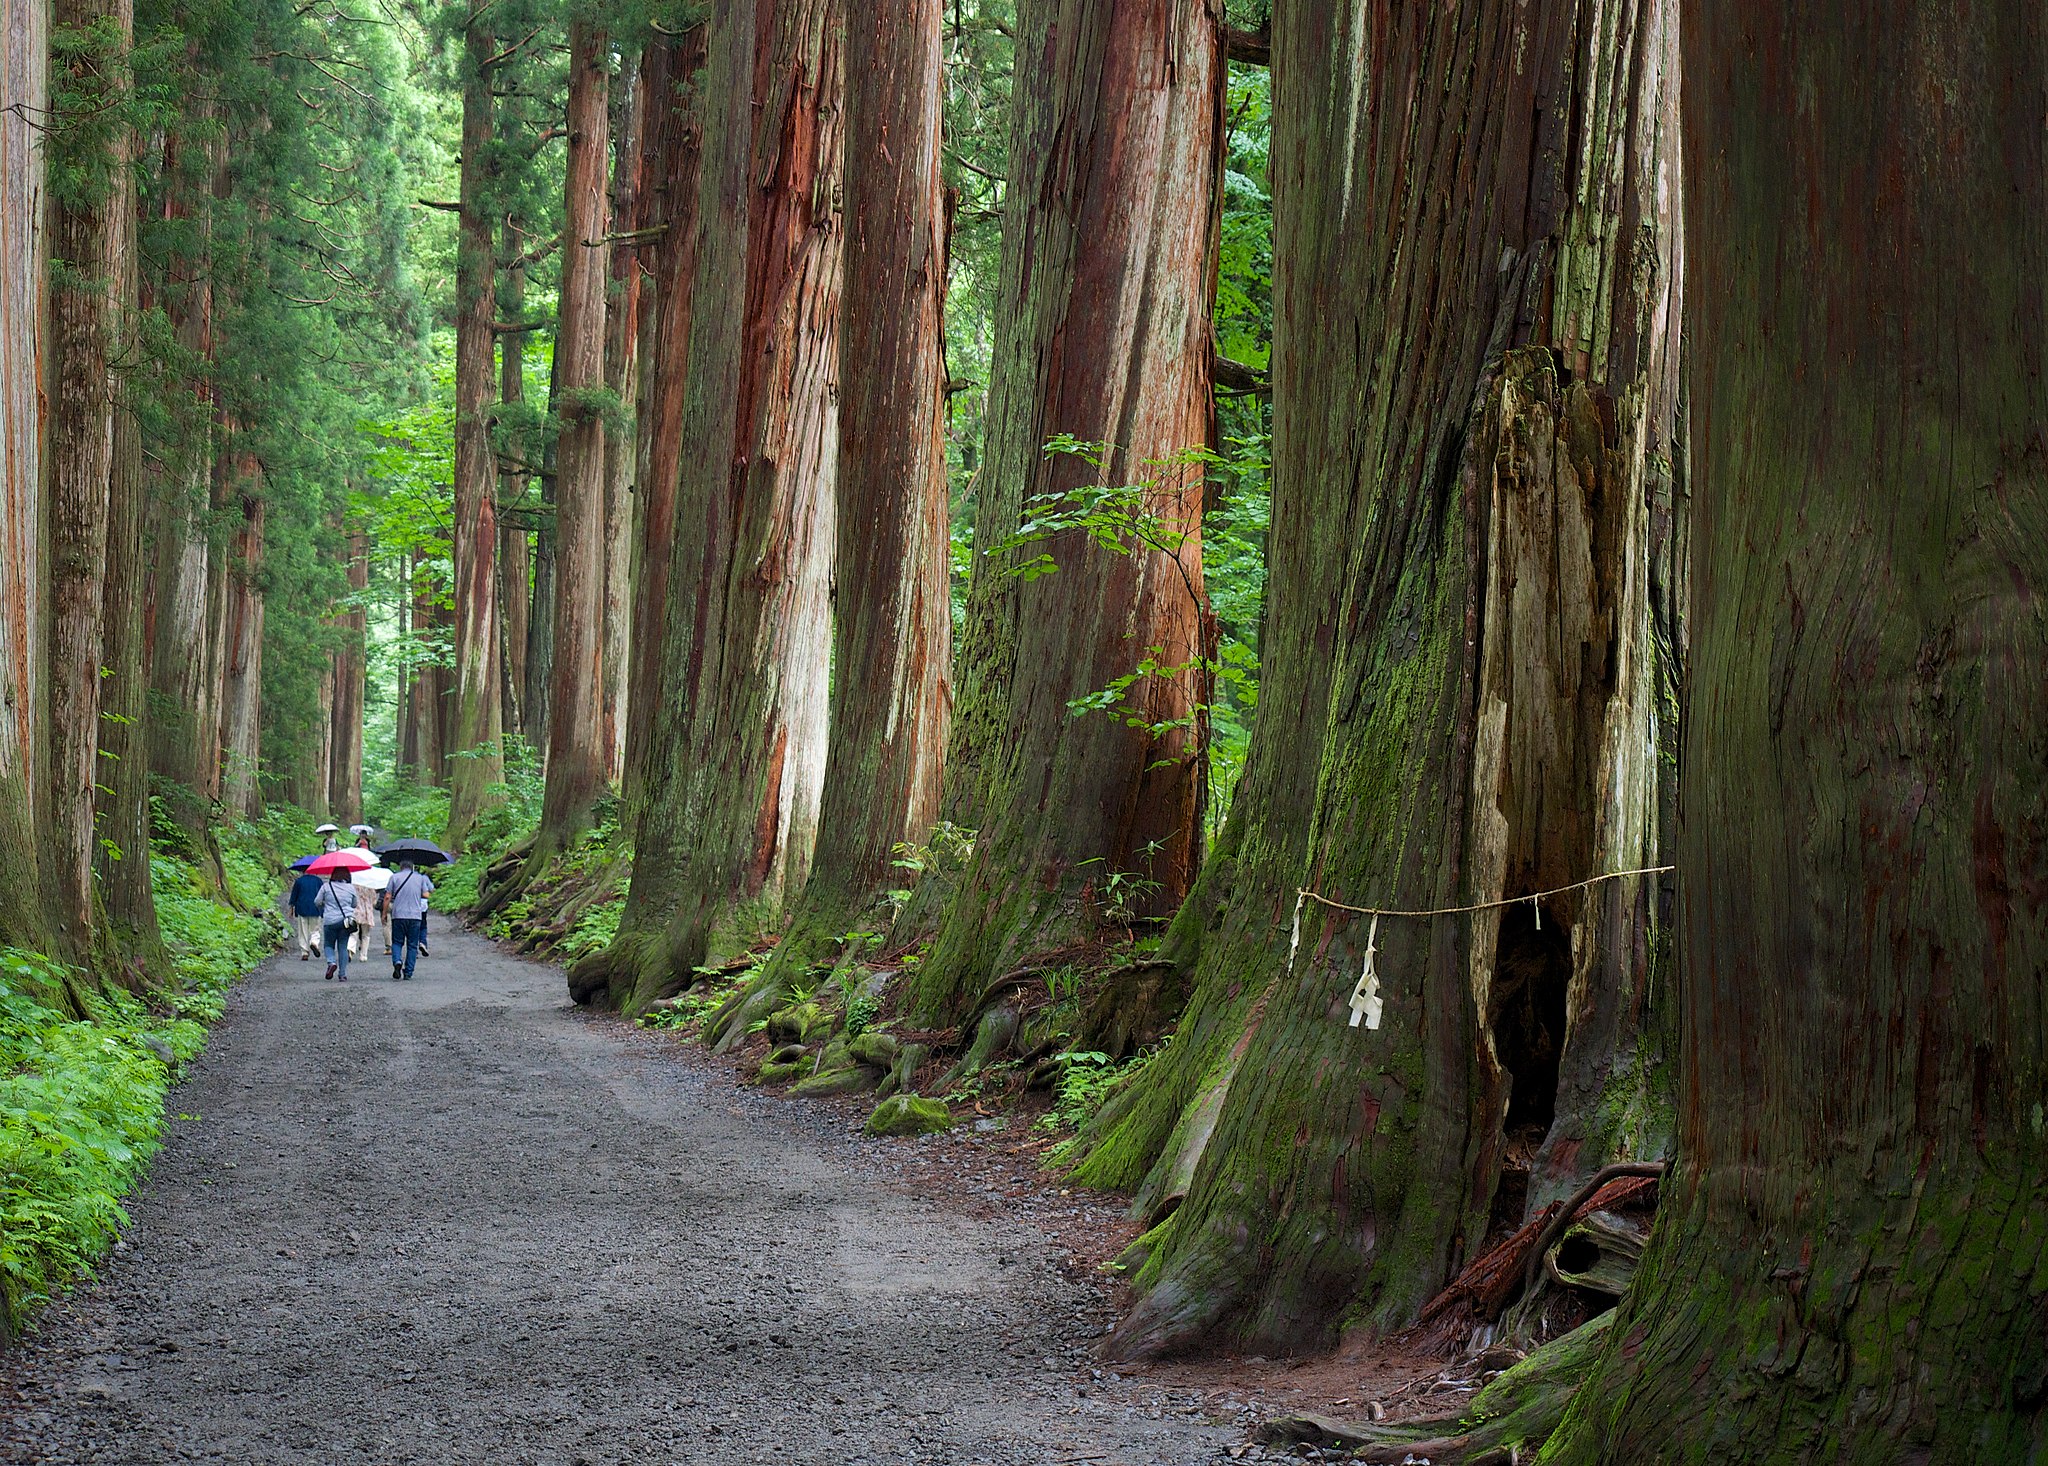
(375, 878)
(360, 829)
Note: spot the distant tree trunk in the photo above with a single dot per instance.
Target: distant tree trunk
(476, 762)
(731, 822)
(1465, 668)
(576, 767)
(241, 720)
(540, 622)
(1103, 333)
(1847, 1264)
(893, 612)
(424, 750)
(309, 774)
(121, 854)
(344, 781)
(673, 139)
(24, 796)
(515, 569)
(621, 376)
(86, 239)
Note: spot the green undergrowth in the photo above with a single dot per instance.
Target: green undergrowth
(82, 1096)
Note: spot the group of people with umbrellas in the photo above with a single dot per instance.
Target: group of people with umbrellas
(346, 893)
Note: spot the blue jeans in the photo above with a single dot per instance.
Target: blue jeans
(334, 937)
(407, 932)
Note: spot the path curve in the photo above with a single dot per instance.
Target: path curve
(455, 1220)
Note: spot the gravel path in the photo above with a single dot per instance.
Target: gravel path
(457, 1221)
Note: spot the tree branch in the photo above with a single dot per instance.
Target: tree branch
(1254, 48)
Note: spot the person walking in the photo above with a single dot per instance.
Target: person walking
(367, 907)
(302, 901)
(327, 834)
(406, 901)
(337, 916)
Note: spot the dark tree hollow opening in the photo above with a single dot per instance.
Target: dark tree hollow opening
(1532, 977)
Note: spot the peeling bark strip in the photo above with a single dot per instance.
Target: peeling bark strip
(479, 729)
(621, 376)
(729, 819)
(576, 770)
(1103, 332)
(242, 642)
(24, 49)
(892, 625)
(344, 780)
(1456, 660)
(1849, 1264)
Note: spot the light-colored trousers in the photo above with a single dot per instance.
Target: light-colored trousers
(363, 935)
(309, 933)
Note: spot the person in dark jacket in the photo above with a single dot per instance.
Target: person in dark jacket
(303, 903)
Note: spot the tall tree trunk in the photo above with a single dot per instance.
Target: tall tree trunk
(86, 237)
(1475, 337)
(540, 622)
(621, 377)
(576, 765)
(121, 854)
(515, 570)
(731, 822)
(241, 712)
(1848, 1262)
(672, 138)
(184, 589)
(892, 624)
(344, 781)
(476, 762)
(24, 57)
(1103, 334)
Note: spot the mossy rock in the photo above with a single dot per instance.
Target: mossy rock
(909, 1114)
(852, 1080)
(876, 1050)
(799, 1023)
(789, 1054)
(773, 1073)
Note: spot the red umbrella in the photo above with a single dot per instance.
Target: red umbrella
(343, 860)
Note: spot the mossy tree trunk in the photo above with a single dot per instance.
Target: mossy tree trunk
(91, 141)
(1103, 333)
(671, 141)
(892, 623)
(576, 768)
(129, 939)
(1475, 294)
(729, 823)
(24, 59)
(476, 761)
(1849, 1264)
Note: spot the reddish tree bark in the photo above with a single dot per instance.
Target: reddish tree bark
(1103, 333)
(892, 625)
(672, 140)
(576, 766)
(475, 757)
(24, 52)
(1848, 1260)
(729, 821)
(86, 243)
(515, 569)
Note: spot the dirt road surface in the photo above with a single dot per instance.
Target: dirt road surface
(454, 1220)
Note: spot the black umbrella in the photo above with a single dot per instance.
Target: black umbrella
(419, 852)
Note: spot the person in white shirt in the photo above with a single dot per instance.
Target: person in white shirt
(406, 901)
(337, 917)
